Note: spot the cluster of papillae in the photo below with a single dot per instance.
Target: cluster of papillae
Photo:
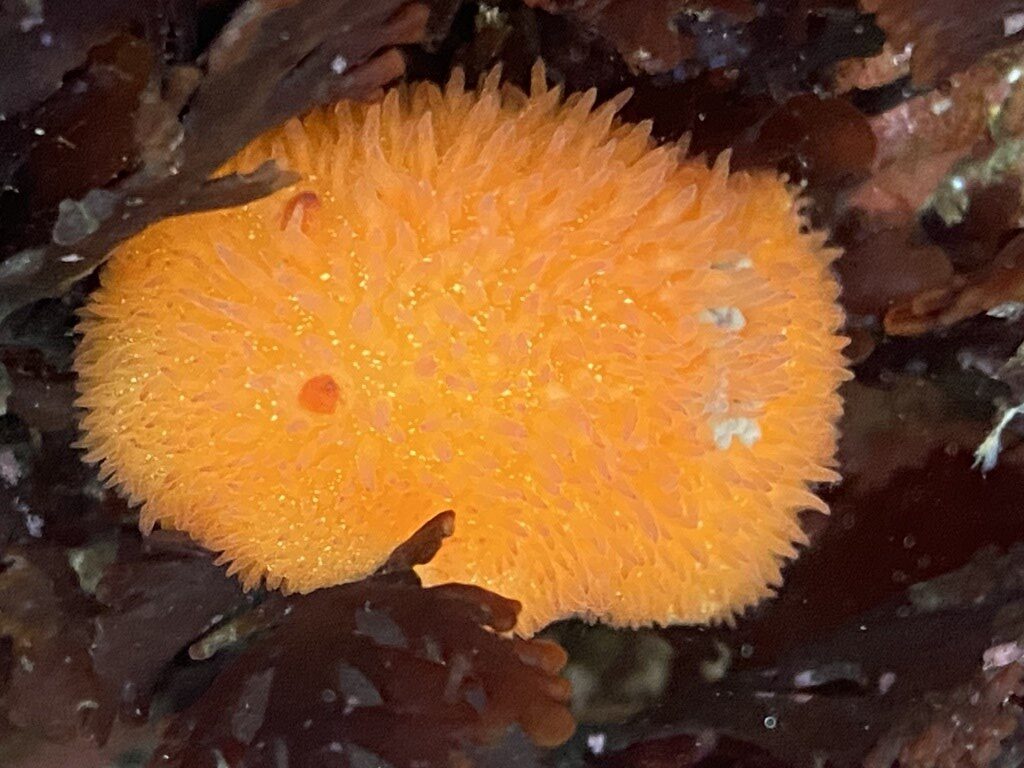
(618, 366)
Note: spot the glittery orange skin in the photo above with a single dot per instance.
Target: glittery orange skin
(617, 365)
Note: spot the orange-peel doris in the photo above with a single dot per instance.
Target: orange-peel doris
(619, 366)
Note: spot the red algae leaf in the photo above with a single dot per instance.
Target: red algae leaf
(915, 672)
(939, 205)
(421, 547)
(177, 118)
(73, 662)
(155, 606)
(922, 138)
(964, 296)
(965, 727)
(886, 266)
(51, 689)
(828, 137)
(897, 426)
(945, 39)
(42, 44)
(382, 671)
(737, 83)
(645, 32)
(701, 748)
(870, 72)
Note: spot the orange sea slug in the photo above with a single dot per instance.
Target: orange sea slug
(617, 365)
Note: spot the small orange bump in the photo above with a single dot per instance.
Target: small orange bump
(301, 208)
(320, 394)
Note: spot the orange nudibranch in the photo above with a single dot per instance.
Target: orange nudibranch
(618, 365)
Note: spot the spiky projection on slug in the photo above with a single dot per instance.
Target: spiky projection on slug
(617, 365)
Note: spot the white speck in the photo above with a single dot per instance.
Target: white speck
(26, 663)
(489, 15)
(1001, 655)
(30, 22)
(744, 429)
(39, 131)
(71, 258)
(1014, 75)
(1008, 310)
(886, 680)
(46, 39)
(87, 705)
(596, 743)
(770, 722)
(958, 183)
(715, 669)
(726, 318)
(34, 525)
(734, 265)
(10, 469)
(941, 106)
(807, 678)
(339, 64)
(987, 454)
(1013, 23)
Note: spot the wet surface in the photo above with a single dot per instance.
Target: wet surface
(893, 637)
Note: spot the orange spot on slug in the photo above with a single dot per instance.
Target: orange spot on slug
(320, 394)
(302, 209)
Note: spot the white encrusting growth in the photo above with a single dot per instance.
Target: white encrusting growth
(726, 318)
(743, 428)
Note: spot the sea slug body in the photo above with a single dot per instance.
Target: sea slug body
(617, 365)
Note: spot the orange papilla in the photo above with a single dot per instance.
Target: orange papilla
(619, 366)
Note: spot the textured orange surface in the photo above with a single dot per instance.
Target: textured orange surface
(617, 365)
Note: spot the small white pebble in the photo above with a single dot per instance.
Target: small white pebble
(339, 64)
(596, 743)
